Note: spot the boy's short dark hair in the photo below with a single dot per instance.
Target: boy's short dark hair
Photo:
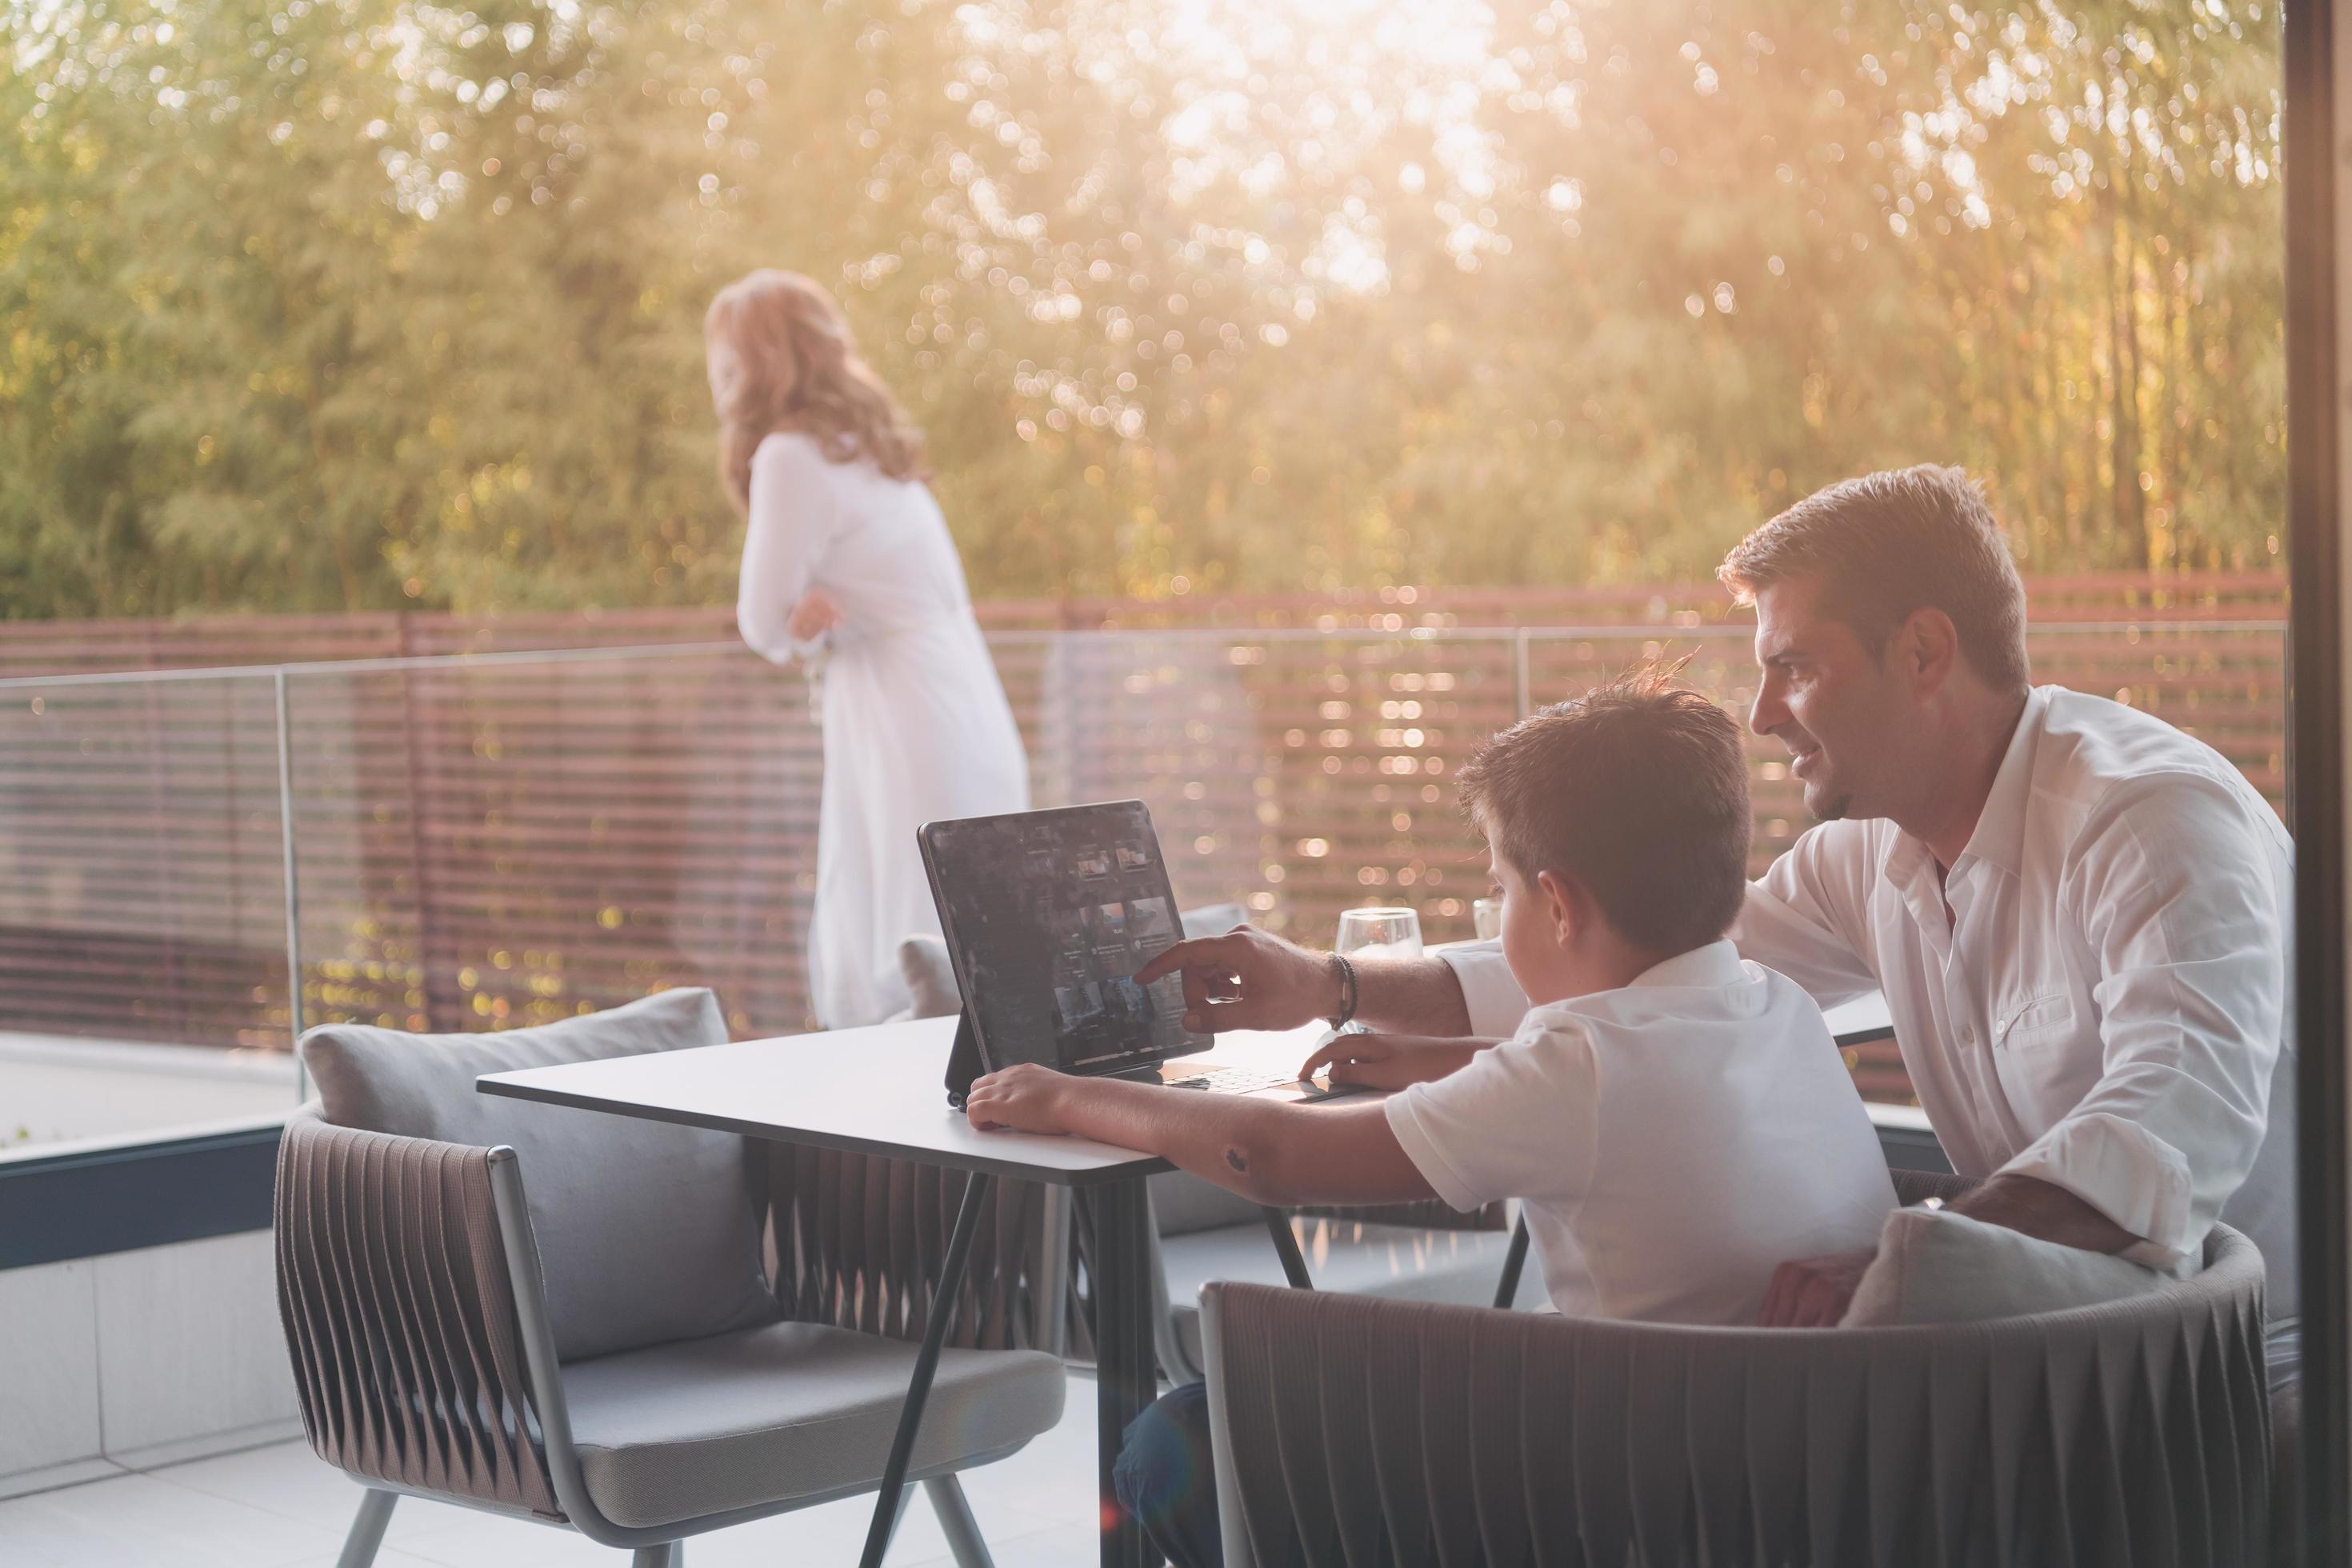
(1637, 790)
(1888, 544)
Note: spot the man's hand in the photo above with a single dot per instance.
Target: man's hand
(1248, 979)
(813, 617)
(1813, 1292)
(1022, 1098)
(1390, 1061)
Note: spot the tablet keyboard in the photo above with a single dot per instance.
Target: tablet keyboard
(1245, 1080)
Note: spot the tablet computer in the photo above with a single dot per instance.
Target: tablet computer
(1047, 916)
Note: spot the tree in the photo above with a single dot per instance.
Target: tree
(361, 304)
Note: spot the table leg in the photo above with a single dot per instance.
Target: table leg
(927, 1364)
(1506, 1289)
(1126, 1373)
(1286, 1247)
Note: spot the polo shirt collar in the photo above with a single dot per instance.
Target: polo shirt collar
(1717, 963)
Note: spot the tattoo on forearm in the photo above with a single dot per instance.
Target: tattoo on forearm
(1237, 1159)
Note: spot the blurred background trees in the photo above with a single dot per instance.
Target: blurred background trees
(325, 304)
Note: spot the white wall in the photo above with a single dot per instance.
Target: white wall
(139, 1357)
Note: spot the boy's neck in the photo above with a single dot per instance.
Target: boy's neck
(1607, 963)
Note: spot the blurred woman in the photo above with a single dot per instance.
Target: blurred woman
(846, 561)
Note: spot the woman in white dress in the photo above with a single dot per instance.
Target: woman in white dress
(846, 561)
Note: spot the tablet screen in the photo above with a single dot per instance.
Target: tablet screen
(1048, 914)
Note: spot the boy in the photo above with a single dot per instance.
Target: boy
(1675, 1121)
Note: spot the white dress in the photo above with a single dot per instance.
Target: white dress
(916, 724)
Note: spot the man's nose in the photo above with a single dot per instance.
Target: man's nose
(1768, 712)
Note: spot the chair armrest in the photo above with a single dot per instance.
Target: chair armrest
(400, 1319)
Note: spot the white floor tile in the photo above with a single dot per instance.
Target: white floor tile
(138, 1521)
(284, 1478)
(281, 1506)
(1059, 1546)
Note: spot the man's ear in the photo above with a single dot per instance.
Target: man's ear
(1927, 649)
(1567, 907)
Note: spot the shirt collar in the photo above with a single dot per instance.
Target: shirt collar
(1717, 963)
(1999, 838)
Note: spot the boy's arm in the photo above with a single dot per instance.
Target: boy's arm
(1280, 1152)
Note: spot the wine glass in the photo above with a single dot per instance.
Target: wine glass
(1379, 934)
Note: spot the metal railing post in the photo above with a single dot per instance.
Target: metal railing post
(293, 882)
(1524, 693)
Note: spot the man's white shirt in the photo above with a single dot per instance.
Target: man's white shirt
(1673, 1140)
(2104, 1007)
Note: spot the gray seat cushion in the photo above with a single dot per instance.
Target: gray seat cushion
(792, 1410)
(1937, 1266)
(646, 1232)
(1459, 1267)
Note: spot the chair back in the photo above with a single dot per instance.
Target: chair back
(1352, 1430)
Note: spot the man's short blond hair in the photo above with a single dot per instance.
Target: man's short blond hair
(1888, 544)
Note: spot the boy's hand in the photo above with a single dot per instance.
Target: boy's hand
(1022, 1098)
(1813, 1292)
(1248, 979)
(1389, 1061)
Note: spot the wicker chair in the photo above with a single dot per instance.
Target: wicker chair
(605, 1353)
(1355, 1431)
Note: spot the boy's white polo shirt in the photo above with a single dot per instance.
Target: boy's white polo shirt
(1673, 1140)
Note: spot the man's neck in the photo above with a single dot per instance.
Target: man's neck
(1961, 777)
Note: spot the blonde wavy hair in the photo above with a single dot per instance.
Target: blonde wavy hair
(795, 368)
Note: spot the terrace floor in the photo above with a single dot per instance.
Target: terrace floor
(279, 1506)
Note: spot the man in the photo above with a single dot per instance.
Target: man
(2081, 919)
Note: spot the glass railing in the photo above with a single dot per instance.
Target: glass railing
(478, 842)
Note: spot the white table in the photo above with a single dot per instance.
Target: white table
(881, 1091)
(1865, 1019)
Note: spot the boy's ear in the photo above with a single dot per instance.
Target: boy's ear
(1566, 906)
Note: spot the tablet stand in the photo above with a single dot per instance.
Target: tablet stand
(963, 1061)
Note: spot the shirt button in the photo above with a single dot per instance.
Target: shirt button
(1967, 1034)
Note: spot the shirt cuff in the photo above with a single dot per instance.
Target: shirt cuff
(1404, 1120)
(2127, 1173)
(1489, 994)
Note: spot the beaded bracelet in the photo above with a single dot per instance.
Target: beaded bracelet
(1347, 992)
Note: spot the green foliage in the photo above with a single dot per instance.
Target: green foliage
(318, 304)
